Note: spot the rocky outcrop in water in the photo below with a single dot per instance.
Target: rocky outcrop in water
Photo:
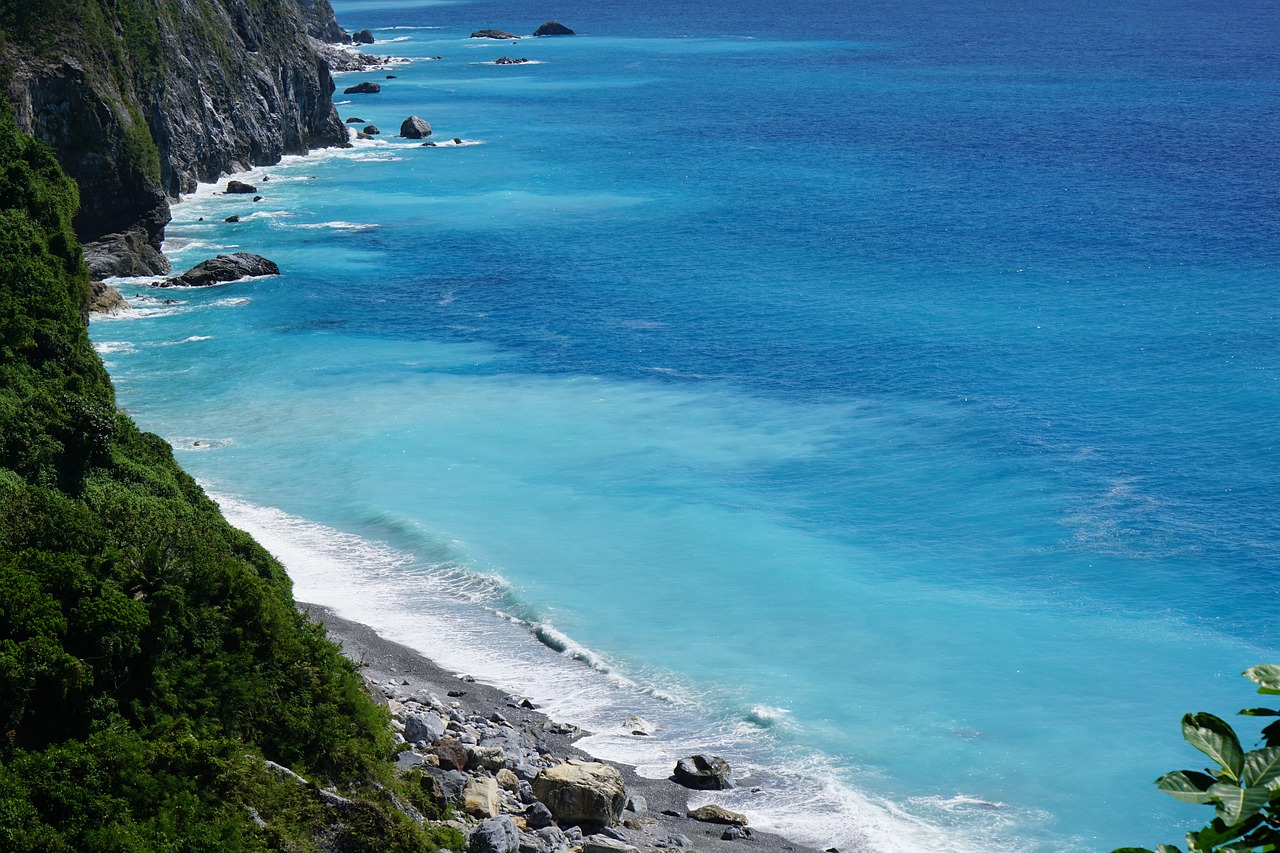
(222, 269)
(201, 89)
(553, 28)
(704, 773)
(493, 34)
(365, 88)
(414, 128)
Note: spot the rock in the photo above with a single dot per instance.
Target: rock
(673, 842)
(240, 187)
(495, 835)
(605, 844)
(736, 833)
(414, 128)
(372, 130)
(362, 37)
(637, 804)
(480, 797)
(131, 252)
(506, 60)
(582, 792)
(704, 772)
(553, 28)
(392, 77)
(537, 816)
(406, 761)
(354, 120)
(365, 88)
(232, 219)
(487, 757)
(257, 198)
(106, 299)
(451, 752)
(493, 34)
(458, 141)
(224, 268)
(446, 785)
(716, 814)
(638, 725)
(507, 780)
(423, 726)
(428, 145)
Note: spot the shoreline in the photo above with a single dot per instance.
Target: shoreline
(394, 671)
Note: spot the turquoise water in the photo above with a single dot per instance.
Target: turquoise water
(882, 396)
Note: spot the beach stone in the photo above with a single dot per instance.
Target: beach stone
(452, 754)
(240, 187)
(447, 785)
(365, 88)
(704, 772)
(638, 725)
(738, 833)
(605, 844)
(480, 797)
(538, 816)
(673, 842)
(495, 835)
(492, 34)
(423, 726)
(582, 792)
(717, 814)
(553, 28)
(406, 761)
(415, 128)
(508, 781)
(553, 835)
(637, 804)
(224, 268)
(487, 757)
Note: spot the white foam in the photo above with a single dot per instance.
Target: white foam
(390, 41)
(190, 444)
(339, 225)
(113, 347)
(189, 340)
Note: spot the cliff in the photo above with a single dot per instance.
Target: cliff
(140, 99)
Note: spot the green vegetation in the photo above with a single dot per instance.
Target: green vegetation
(1243, 787)
(151, 656)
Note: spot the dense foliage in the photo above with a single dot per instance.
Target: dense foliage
(151, 656)
(1243, 787)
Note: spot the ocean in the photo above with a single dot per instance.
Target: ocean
(883, 396)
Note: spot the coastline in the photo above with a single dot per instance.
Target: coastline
(394, 671)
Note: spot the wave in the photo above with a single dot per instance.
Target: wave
(191, 444)
(189, 340)
(338, 225)
(389, 41)
(427, 595)
(113, 347)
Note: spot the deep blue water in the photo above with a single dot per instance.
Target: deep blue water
(883, 394)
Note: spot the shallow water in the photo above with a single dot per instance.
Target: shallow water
(882, 397)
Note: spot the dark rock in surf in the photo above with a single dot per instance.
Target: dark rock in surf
(354, 120)
(372, 130)
(362, 37)
(506, 60)
(415, 128)
(232, 219)
(553, 28)
(224, 268)
(704, 773)
(234, 187)
(493, 34)
(365, 88)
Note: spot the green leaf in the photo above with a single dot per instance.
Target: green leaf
(1266, 676)
(1259, 712)
(1187, 785)
(1262, 766)
(1216, 739)
(1236, 804)
(1167, 848)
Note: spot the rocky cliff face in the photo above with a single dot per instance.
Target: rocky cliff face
(143, 98)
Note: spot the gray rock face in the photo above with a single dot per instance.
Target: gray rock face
(106, 299)
(365, 88)
(585, 793)
(493, 34)
(553, 28)
(495, 835)
(132, 146)
(132, 252)
(224, 268)
(414, 128)
(704, 772)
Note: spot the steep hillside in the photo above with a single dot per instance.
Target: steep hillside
(143, 98)
(152, 663)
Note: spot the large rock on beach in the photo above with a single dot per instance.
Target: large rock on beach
(365, 88)
(480, 798)
(414, 128)
(452, 754)
(495, 835)
(704, 773)
(585, 793)
(493, 34)
(553, 28)
(422, 726)
(240, 187)
(606, 844)
(224, 268)
(717, 814)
